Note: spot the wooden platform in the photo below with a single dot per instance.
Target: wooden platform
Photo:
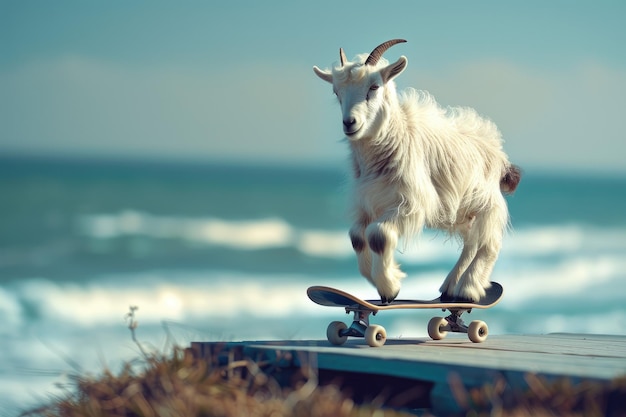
(434, 365)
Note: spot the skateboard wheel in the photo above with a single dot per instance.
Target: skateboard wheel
(436, 328)
(375, 335)
(477, 331)
(333, 333)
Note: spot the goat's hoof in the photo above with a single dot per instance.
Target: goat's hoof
(388, 300)
(469, 300)
(447, 298)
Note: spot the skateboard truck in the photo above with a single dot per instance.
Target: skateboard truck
(438, 327)
(455, 322)
(360, 323)
(337, 332)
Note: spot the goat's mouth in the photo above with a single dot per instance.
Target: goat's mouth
(351, 132)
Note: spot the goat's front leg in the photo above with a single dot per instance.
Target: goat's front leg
(382, 238)
(363, 254)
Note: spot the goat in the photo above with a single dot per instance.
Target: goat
(417, 165)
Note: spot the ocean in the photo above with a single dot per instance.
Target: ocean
(213, 252)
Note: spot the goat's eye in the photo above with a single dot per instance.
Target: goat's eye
(372, 89)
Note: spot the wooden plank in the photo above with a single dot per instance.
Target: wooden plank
(585, 356)
(513, 353)
(507, 356)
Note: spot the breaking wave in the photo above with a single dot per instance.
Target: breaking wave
(238, 235)
(245, 235)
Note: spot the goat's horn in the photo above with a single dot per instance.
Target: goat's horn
(342, 57)
(378, 52)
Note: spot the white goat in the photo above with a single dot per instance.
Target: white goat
(417, 164)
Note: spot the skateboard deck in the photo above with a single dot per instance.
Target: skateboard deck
(332, 297)
(375, 335)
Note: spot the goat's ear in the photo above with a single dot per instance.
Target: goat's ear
(324, 75)
(393, 70)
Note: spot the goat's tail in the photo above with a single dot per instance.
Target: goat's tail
(510, 179)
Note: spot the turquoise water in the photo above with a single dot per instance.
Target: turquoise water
(227, 252)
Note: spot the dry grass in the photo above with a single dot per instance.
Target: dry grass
(182, 385)
(543, 398)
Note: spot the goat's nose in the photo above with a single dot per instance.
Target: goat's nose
(348, 123)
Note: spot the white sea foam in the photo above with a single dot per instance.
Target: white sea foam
(534, 242)
(176, 296)
(528, 242)
(10, 310)
(324, 244)
(564, 239)
(248, 235)
(186, 295)
(245, 235)
(582, 279)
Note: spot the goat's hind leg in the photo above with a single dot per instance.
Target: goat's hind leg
(489, 230)
(475, 280)
(450, 283)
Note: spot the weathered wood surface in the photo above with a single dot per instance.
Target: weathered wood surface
(583, 356)
(511, 357)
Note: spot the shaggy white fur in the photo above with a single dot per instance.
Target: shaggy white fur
(417, 164)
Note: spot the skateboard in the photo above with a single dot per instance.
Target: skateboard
(376, 335)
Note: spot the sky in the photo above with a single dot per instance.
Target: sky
(233, 81)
